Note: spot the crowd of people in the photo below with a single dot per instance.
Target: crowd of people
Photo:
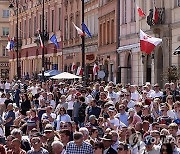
(54, 117)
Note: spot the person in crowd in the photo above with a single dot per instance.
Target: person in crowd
(63, 116)
(37, 146)
(98, 148)
(25, 104)
(9, 119)
(8, 99)
(49, 133)
(17, 95)
(57, 147)
(107, 141)
(78, 145)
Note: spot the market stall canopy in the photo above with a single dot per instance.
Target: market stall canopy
(65, 75)
(50, 73)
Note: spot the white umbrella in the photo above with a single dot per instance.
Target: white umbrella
(66, 75)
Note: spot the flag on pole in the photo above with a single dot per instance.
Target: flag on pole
(10, 44)
(73, 67)
(155, 15)
(79, 71)
(79, 31)
(148, 43)
(140, 11)
(53, 39)
(95, 69)
(86, 30)
(41, 43)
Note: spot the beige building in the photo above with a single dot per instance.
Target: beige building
(4, 32)
(135, 67)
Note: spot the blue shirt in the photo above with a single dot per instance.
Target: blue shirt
(8, 115)
(124, 118)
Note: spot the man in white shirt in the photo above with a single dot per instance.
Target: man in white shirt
(134, 93)
(112, 95)
(157, 92)
(7, 86)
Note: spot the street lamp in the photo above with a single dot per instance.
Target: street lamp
(43, 41)
(83, 47)
(17, 43)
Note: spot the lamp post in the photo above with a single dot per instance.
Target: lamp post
(17, 42)
(83, 46)
(43, 41)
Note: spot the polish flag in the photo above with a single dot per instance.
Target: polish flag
(155, 15)
(73, 67)
(95, 69)
(140, 11)
(79, 31)
(41, 43)
(148, 43)
(79, 71)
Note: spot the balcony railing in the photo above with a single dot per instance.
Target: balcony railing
(161, 17)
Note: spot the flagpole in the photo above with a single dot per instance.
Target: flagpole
(83, 46)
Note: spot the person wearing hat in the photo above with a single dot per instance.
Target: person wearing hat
(49, 132)
(150, 147)
(107, 141)
(111, 122)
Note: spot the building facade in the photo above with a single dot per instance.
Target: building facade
(4, 32)
(29, 26)
(135, 67)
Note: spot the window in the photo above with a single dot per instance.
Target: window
(66, 29)
(100, 36)
(46, 22)
(4, 51)
(133, 10)
(112, 31)
(77, 22)
(30, 28)
(71, 27)
(52, 21)
(59, 27)
(124, 12)
(176, 3)
(35, 28)
(104, 33)
(40, 18)
(20, 31)
(108, 32)
(5, 13)
(25, 29)
(5, 31)
(144, 5)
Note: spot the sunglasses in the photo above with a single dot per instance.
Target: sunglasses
(48, 132)
(120, 149)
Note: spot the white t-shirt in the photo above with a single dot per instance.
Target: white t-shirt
(53, 103)
(158, 94)
(53, 115)
(33, 90)
(7, 85)
(114, 122)
(64, 118)
(135, 96)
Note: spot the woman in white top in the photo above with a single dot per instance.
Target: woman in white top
(63, 116)
(51, 100)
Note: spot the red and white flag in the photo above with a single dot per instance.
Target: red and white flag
(73, 67)
(79, 71)
(41, 43)
(140, 11)
(95, 69)
(148, 43)
(155, 15)
(79, 31)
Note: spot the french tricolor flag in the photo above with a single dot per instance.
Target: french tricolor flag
(79, 31)
(148, 43)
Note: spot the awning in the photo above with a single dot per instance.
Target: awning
(50, 73)
(132, 47)
(65, 75)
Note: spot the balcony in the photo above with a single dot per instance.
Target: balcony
(161, 17)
